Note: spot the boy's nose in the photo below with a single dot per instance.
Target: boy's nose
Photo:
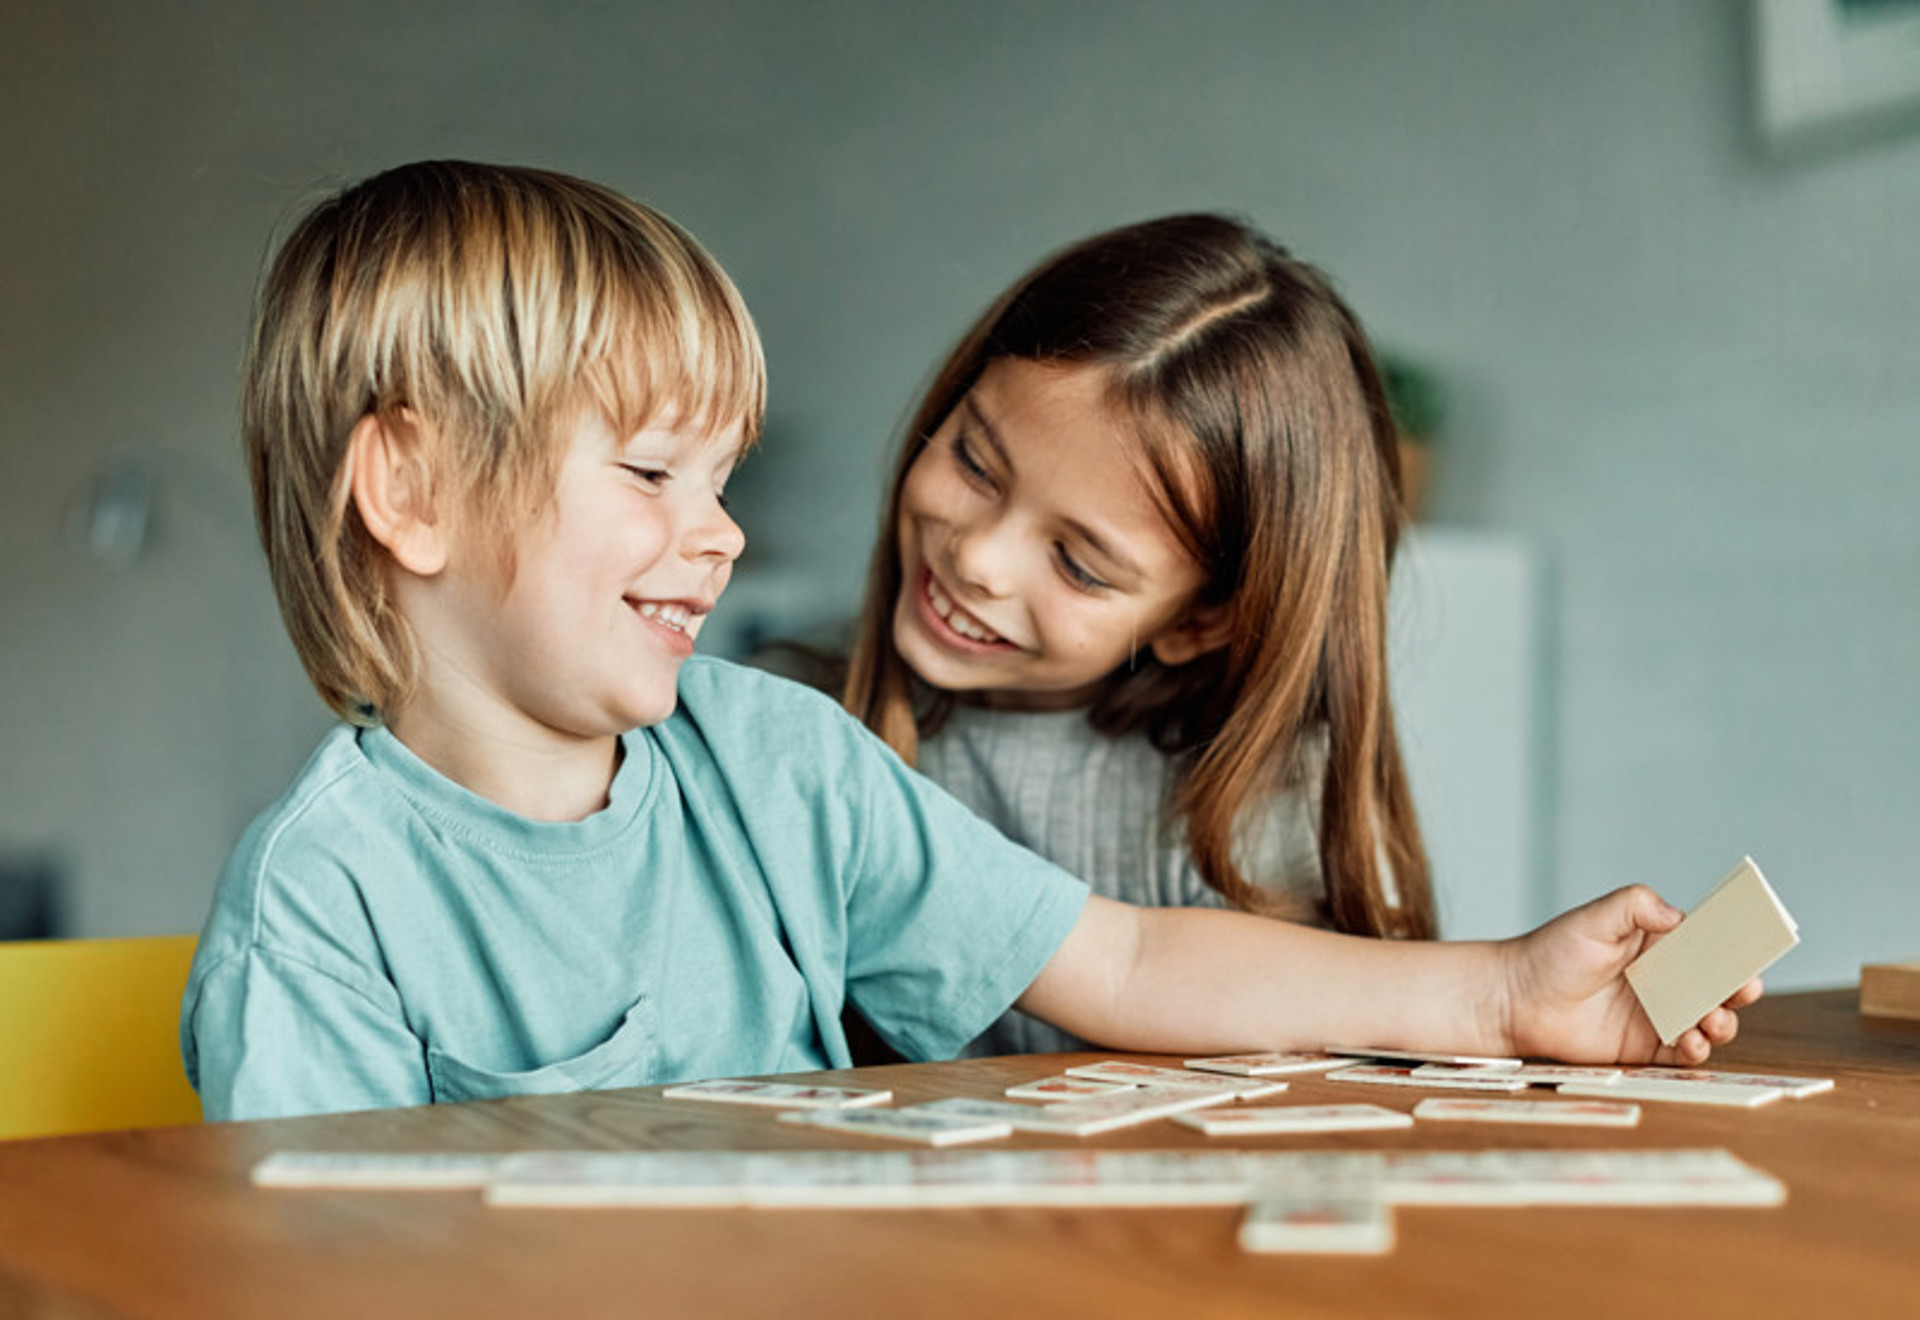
(713, 533)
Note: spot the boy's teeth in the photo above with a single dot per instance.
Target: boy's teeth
(674, 616)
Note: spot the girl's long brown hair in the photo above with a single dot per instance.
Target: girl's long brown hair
(1262, 413)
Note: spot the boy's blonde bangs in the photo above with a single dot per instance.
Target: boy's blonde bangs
(604, 304)
(691, 354)
(493, 303)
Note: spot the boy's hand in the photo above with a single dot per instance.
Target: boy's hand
(1568, 997)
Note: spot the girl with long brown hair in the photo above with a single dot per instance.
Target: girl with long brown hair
(1129, 599)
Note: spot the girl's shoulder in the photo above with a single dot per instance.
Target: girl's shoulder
(1044, 742)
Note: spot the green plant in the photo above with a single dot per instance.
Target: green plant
(1415, 397)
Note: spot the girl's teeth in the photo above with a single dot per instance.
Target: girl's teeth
(957, 621)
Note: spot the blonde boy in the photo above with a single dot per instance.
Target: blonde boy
(490, 413)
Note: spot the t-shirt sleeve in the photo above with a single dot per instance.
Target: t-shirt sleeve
(949, 921)
(267, 1036)
(886, 891)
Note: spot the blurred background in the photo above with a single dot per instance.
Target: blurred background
(1664, 605)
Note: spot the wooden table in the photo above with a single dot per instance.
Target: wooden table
(164, 1223)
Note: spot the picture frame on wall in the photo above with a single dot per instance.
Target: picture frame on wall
(1833, 71)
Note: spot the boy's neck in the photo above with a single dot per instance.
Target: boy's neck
(554, 779)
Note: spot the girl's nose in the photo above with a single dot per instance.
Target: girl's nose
(983, 556)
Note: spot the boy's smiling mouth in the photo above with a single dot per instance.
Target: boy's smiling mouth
(678, 619)
(670, 613)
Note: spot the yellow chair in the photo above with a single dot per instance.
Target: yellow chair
(90, 1035)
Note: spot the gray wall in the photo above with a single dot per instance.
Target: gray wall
(1690, 374)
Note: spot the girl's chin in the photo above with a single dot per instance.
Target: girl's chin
(941, 669)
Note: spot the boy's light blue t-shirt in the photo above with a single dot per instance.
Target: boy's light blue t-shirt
(383, 937)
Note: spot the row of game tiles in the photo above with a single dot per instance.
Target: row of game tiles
(1064, 1177)
(1323, 1201)
(1101, 1097)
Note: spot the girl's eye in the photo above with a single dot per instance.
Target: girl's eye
(651, 476)
(1077, 574)
(969, 462)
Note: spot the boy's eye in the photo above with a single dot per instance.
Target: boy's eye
(1077, 573)
(652, 476)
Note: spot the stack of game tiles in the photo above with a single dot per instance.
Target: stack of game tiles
(1348, 1217)
(784, 1095)
(1675, 1085)
(1702, 1087)
(1097, 1098)
(1284, 1120)
(958, 1118)
(1449, 1071)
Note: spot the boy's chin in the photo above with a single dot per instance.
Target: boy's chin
(653, 712)
(651, 700)
(618, 713)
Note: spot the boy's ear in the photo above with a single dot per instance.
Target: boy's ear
(391, 483)
(1202, 629)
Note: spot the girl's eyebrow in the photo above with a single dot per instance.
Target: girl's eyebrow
(971, 404)
(1093, 539)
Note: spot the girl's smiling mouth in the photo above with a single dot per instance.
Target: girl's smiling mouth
(952, 624)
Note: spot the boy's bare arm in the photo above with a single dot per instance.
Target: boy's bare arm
(1192, 980)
